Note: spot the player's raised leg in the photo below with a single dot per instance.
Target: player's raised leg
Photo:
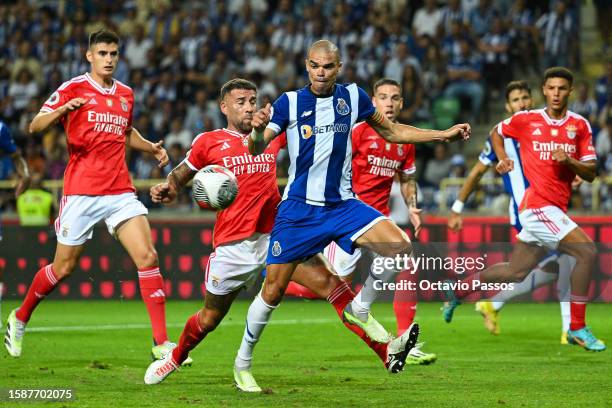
(46, 279)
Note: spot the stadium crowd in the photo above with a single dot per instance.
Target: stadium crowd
(452, 58)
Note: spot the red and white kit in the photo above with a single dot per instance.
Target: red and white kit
(242, 231)
(96, 136)
(543, 210)
(375, 163)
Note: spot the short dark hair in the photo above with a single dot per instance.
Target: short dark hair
(558, 72)
(103, 36)
(386, 81)
(517, 85)
(236, 83)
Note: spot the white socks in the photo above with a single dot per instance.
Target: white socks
(257, 318)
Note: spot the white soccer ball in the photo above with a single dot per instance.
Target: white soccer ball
(214, 187)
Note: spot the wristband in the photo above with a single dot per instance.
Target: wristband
(457, 206)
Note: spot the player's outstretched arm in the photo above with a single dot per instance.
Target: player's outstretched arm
(23, 173)
(455, 222)
(408, 188)
(177, 179)
(45, 119)
(136, 141)
(400, 133)
(504, 164)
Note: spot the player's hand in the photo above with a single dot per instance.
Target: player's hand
(22, 186)
(505, 166)
(455, 222)
(160, 154)
(577, 182)
(560, 156)
(261, 118)
(461, 131)
(162, 193)
(414, 215)
(73, 104)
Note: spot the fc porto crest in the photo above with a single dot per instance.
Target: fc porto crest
(571, 131)
(342, 107)
(124, 104)
(276, 248)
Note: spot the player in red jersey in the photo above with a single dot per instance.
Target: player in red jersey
(555, 146)
(375, 163)
(96, 112)
(242, 234)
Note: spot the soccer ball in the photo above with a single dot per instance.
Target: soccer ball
(214, 187)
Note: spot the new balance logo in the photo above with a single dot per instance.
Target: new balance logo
(537, 132)
(306, 114)
(158, 293)
(225, 146)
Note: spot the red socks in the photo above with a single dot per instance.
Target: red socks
(43, 283)
(339, 298)
(297, 290)
(577, 311)
(404, 314)
(191, 336)
(152, 291)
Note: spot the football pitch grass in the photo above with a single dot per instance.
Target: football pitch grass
(306, 357)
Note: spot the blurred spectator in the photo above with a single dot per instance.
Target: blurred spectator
(262, 62)
(603, 148)
(137, 48)
(434, 72)
(394, 68)
(22, 90)
(176, 154)
(584, 104)
(191, 43)
(523, 33)
(451, 13)
(481, 18)
(603, 13)
(412, 94)
(427, 19)
(558, 33)
(27, 61)
(288, 38)
(464, 74)
(451, 47)
(221, 70)
(178, 135)
(603, 87)
(167, 88)
(494, 45)
(35, 205)
(438, 167)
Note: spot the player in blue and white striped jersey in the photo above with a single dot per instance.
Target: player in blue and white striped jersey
(319, 206)
(8, 148)
(518, 98)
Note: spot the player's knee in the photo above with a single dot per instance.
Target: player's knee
(519, 274)
(63, 269)
(586, 253)
(146, 258)
(208, 322)
(400, 248)
(272, 293)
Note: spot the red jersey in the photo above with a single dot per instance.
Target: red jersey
(95, 133)
(375, 162)
(550, 183)
(254, 209)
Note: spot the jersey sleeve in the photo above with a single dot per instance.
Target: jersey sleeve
(585, 148)
(365, 106)
(280, 114)
(356, 138)
(57, 99)
(487, 155)
(198, 154)
(409, 166)
(7, 144)
(512, 126)
(278, 143)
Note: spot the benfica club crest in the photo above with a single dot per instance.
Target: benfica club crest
(124, 104)
(571, 131)
(400, 150)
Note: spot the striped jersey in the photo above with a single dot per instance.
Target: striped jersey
(318, 132)
(515, 182)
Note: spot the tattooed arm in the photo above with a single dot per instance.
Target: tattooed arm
(167, 191)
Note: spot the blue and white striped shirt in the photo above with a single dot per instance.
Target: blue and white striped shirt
(515, 182)
(319, 141)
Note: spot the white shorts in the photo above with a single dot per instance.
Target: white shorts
(344, 264)
(234, 266)
(545, 226)
(79, 213)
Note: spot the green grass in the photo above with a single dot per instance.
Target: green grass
(315, 364)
